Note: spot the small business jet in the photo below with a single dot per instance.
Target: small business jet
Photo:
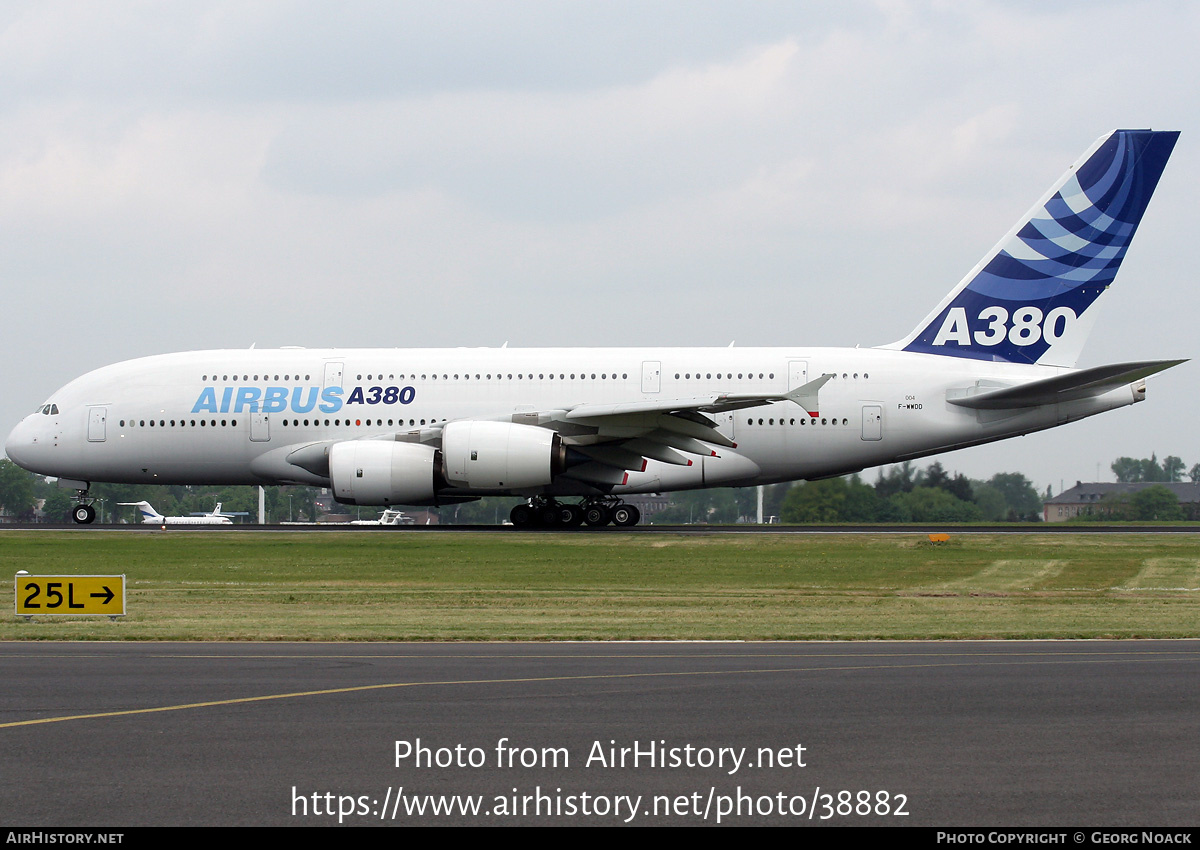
(994, 359)
(387, 517)
(153, 517)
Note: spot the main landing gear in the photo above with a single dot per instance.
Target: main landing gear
(541, 512)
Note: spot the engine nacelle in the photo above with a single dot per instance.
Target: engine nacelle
(482, 455)
(382, 472)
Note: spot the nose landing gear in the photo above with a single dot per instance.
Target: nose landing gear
(83, 513)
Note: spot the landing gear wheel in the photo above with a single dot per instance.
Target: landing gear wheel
(84, 514)
(596, 515)
(521, 516)
(572, 516)
(625, 515)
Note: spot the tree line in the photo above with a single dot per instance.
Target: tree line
(21, 491)
(901, 493)
(1133, 470)
(906, 494)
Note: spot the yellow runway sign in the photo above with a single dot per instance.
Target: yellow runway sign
(70, 596)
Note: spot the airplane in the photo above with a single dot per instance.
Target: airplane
(152, 517)
(387, 517)
(573, 430)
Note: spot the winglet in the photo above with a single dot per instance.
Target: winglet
(806, 396)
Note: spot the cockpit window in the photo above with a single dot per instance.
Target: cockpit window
(54, 410)
(45, 410)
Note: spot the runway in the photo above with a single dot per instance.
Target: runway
(1089, 733)
(748, 528)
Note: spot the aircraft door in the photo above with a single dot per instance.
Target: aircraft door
(651, 376)
(872, 422)
(97, 424)
(333, 375)
(260, 427)
(797, 374)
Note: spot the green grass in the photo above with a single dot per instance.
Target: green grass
(462, 586)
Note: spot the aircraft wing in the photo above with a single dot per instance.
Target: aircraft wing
(605, 441)
(616, 438)
(805, 396)
(1085, 383)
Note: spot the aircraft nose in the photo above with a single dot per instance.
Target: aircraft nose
(21, 444)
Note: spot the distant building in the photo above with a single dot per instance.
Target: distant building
(1084, 499)
(648, 504)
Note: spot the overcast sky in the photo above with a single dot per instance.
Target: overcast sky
(208, 175)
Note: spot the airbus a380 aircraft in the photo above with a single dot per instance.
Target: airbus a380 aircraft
(994, 359)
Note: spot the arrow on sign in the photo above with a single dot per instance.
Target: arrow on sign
(107, 598)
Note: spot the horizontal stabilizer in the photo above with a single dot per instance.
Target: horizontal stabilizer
(1085, 383)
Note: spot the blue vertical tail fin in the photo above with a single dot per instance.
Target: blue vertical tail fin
(1028, 299)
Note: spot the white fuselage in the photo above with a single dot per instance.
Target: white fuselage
(187, 520)
(234, 416)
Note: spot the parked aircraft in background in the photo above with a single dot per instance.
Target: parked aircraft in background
(153, 517)
(995, 359)
(387, 517)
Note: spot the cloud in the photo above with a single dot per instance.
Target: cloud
(208, 174)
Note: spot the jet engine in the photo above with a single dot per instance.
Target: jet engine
(379, 472)
(482, 455)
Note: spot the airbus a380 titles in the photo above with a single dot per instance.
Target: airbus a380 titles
(574, 430)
